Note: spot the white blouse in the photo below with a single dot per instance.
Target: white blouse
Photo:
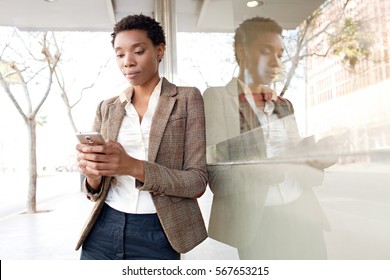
(279, 134)
(134, 137)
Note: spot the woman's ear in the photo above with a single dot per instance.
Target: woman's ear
(160, 51)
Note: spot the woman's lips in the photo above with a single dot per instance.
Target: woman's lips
(131, 74)
(272, 73)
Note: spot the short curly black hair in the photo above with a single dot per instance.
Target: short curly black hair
(140, 22)
(248, 30)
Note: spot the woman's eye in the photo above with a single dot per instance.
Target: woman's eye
(119, 55)
(265, 51)
(139, 52)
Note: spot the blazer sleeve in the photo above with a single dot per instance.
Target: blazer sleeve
(92, 195)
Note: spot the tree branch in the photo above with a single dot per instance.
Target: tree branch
(5, 85)
(52, 64)
(91, 85)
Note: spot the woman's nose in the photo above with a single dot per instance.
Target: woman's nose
(276, 61)
(129, 61)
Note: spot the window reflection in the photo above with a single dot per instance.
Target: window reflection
(327, 157)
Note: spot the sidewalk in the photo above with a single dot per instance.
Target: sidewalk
(53, 233)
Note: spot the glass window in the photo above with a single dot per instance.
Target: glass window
(298, 130)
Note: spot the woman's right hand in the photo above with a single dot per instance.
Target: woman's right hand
(92, 179)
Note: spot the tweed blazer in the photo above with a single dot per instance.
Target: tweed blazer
(175, 172)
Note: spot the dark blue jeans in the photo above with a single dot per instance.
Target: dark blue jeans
(122, 236)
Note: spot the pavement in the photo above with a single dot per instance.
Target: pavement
(52, 233)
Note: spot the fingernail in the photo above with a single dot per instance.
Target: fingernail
(86, 149)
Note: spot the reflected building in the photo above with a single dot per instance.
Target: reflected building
(348, 89)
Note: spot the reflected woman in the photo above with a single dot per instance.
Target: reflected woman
(265, 209)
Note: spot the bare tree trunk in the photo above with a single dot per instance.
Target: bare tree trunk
(32, 185)
(70, 114)
(291, 72)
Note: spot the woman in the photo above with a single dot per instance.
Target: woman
(148, 175)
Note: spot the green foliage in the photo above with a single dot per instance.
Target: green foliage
(351, 43)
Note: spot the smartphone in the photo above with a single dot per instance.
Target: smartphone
(90, 138)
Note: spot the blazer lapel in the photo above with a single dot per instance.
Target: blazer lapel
(232, 106)
(249, 116)
(116, 113)
(161, 116)
(230, 109)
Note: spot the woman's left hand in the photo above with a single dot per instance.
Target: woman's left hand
(110, 159)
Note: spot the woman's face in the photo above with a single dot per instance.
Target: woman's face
(262, 58)
(137, 57)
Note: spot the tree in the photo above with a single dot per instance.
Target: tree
(314, 37)
(351, 42)
(30, 72)
(64, 92)
(308, 39)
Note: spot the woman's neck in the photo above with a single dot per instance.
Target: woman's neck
(146, 89)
